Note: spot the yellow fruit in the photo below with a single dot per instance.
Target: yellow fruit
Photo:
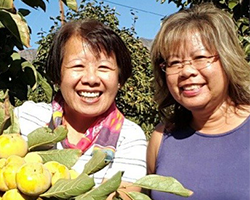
(2, 162)
(73, 173)
(33, 179)
(33, 157)
(13, 163)
(14, 159)
(3, 186)
(14, 194)
(12, 144)
(57, 171)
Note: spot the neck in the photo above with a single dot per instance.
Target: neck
(76, 126)
(220, 120)
(78, 122)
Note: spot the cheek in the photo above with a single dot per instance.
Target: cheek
(216, 77)
(112, 84)
(109, 78)
(70, 77)
(172, 84)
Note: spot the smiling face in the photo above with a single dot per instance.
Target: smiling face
(89, 83)
(197, 90)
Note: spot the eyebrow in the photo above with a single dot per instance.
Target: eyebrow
(192, 53)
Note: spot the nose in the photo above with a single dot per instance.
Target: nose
(90, 77)
(188, 69)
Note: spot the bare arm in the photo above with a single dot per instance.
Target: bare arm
(153, 148)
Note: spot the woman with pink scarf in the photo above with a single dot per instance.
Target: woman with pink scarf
(89, 62)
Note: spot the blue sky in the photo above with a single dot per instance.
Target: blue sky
(149, 14)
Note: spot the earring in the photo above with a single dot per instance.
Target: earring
(119, 85)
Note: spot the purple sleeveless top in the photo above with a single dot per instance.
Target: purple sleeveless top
(214, 167)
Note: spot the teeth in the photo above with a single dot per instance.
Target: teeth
(89, 94)
(191, 87)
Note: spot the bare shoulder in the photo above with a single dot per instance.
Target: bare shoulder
(159, 128)
(153, 147)
(157, 133)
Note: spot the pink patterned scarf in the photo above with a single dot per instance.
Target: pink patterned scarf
(103, 133)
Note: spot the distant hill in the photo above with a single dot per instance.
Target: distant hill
(28, 54)
(147, 42)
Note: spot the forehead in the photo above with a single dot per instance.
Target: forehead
(181, 41)
(188, 44)
(78, 50)
(78, 45)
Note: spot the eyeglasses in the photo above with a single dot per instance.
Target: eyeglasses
(198, 63)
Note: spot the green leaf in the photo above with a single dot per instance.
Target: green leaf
(247, 49)
(245, 28)
(8, 121)
(138, 196)
(5, 108)
(96, 163)
(29, 75)
(24, 12)
(163, 184)
(2, 116)
(232, 4)
(222, 1)
(67, 157)
(15, 56)
(72, 4)
(8, 5)
(64, 189)
(14, 124)
(46, 87)
(247, 38)
(3, 95)
(16, 24)
(44, 136)
(104, 190)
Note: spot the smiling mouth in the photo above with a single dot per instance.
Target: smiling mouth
(89, 94)
(191, 87)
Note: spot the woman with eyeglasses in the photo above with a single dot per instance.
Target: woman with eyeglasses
(202, 82)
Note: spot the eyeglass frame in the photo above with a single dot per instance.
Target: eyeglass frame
(164, 65)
